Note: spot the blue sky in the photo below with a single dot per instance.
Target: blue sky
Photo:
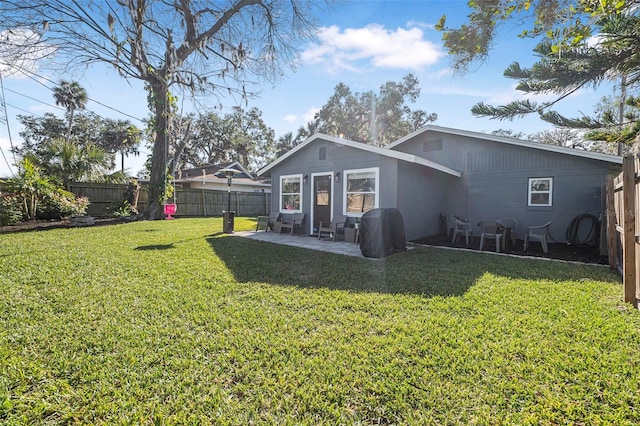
(361, 43)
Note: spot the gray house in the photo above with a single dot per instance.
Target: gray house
(435, 170)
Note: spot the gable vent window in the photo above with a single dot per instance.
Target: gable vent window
(432, 145)
(322, 153)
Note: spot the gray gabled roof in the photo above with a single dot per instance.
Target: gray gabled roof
(511, 141)
(364, 147)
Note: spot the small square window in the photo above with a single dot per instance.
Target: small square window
(322, 153)
(432, 145)
(540, 192)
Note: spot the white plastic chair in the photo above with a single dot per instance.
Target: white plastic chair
(460, 228)
(510, 224)
(537, 233)
(446, 218)
(491, 231)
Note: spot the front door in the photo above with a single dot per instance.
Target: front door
(321, 200)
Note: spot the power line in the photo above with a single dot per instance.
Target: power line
(18, 108)
(6, 116)
(30, 74)
(116, 110)
(33, 99)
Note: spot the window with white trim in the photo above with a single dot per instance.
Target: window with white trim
(361, 191)
(540, 192)
(291, 193)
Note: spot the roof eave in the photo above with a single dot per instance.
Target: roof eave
(511, 141)
(358, 145)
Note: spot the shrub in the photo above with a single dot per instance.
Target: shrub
(125, 210)
(59, 204)
(11, 209)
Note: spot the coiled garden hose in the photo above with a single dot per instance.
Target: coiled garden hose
(593, 235)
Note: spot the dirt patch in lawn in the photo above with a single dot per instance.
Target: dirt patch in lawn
(42, 225)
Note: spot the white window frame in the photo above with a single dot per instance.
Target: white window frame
(282, 179)
(531, 192)
(345, 180)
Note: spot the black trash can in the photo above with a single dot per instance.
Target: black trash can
(382, 233)
(227, 221)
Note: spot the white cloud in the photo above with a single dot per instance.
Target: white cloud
(358, 49)
(303, 118)
(20, 50)
(492, 96)
(595, 41)
(310, 114)
(7, 167)
(419, 24)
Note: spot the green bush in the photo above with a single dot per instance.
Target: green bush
(60, 204)
(11, 209)
(124, 210)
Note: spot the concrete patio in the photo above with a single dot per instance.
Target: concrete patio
(305, 241)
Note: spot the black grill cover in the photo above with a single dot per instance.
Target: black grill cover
(382, 233)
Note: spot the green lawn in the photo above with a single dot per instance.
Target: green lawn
(170, 322)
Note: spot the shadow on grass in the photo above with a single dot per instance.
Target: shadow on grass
(423, 270)
(155, 247)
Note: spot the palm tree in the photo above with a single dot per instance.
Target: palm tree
(285, 144)
(72, 96)
(121, 136)
(69, 162)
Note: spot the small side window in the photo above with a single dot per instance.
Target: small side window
(540, 192)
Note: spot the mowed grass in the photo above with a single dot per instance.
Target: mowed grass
(170, 322)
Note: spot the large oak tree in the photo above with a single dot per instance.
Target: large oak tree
(377, 119)
(204, 46)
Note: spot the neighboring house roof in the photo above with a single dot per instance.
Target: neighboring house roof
(222, 181)
(211, 174)
(510, 141)
(212, 169)
(364, 147)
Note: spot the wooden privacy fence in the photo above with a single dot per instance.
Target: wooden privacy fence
(107, 198)
(623, 204)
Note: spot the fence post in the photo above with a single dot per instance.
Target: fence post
(611, 224)
(629, 220)
(267, 204)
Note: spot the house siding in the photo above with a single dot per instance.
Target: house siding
(495, 180)
(421, 193)
(338, 159)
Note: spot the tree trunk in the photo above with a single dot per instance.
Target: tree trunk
(157, 180)
(71, 111)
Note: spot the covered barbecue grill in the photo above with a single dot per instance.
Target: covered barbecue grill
(382, 233)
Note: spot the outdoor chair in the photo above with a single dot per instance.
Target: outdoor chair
(510, 224)
(333, 228)
(445, 219)
(490, 230)
(460, 228)
(537, 233)
(268, 222)
(295, 222)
